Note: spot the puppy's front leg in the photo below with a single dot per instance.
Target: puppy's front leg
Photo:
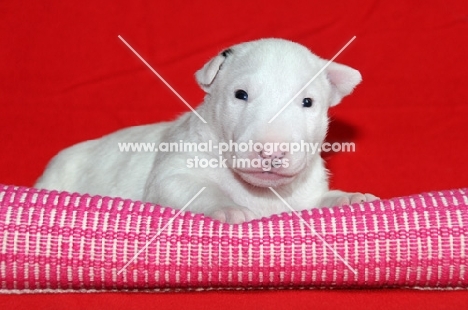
(176, 190)
(340, 198)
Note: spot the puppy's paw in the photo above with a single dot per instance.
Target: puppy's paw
(350, 198)
(232, 215)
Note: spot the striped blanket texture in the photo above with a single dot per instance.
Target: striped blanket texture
(60, 242)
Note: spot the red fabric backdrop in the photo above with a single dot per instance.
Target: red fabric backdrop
(65, 77)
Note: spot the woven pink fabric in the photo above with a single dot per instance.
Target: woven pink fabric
(60, 241)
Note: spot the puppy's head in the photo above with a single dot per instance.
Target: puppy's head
(261, 91)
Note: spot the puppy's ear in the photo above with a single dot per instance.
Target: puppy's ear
(206, 75)
(343, 80)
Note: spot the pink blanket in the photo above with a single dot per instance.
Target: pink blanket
(59, 242)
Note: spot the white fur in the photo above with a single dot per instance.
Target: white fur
(271, 71)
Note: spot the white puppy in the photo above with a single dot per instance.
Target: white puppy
(246, 86)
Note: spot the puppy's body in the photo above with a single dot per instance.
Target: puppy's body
(246, 86)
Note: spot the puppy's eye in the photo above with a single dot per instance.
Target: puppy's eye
(241, 94)
(307, 102)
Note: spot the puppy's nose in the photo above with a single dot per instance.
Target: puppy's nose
(272, 155)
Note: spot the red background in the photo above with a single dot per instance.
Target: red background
(65, 77)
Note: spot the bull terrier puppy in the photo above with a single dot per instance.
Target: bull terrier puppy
(246, 86)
